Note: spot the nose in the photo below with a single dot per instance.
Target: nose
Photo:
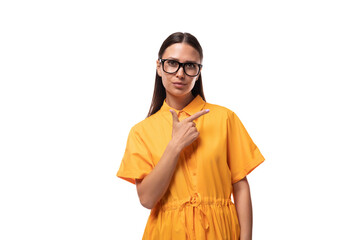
(180, 73)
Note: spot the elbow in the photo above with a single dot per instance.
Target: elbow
(145, 200)
(146, 203)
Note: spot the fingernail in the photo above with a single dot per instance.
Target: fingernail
(207, 110)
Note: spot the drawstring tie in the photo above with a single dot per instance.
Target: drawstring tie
(197, 203)
(194, 201)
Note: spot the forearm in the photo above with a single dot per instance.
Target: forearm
(154, 185)
(243, 205)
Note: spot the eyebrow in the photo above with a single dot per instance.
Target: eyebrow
(172, 58)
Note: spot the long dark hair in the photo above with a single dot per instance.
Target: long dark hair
(159, 90)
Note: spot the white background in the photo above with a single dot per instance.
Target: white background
(77, 75)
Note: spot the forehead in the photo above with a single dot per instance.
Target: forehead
(182, 52)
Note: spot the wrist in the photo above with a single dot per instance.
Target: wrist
(176, 147)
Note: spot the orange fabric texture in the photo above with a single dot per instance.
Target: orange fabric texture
(197, 204)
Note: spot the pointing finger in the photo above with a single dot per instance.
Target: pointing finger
(198, 114)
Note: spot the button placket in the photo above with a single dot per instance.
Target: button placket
(195, 169)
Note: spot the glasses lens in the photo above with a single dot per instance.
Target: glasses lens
(171, 66)
(191, 69)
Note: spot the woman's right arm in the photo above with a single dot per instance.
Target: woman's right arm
(152, 188)
(154, 185)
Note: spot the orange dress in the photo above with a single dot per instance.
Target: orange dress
(197, 204)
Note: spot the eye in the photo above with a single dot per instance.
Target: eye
(172, 63)
(190, 65)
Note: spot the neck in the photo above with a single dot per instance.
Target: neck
(178, 102)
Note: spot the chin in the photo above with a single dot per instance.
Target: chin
(179, 93)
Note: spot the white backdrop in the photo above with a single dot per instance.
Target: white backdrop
(77, 75)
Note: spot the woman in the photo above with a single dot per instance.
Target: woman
(188, 156)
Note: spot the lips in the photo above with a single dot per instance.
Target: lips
(179, 85)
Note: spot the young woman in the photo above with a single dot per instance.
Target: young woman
(187, 156)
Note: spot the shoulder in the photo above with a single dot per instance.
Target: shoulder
(220, 111)
(148, 123)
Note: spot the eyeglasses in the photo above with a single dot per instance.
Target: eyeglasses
(172, 66)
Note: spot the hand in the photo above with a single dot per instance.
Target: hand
(184, 132)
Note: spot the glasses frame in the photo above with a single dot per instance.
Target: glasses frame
(162, 61)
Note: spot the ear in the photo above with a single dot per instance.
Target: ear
(158, 67)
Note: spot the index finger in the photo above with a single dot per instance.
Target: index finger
(196, 115)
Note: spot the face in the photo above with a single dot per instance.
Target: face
(181, 52)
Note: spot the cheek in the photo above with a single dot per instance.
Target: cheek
(193, 82)
(164, 80)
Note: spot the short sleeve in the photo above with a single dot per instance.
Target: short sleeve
(137, 161)
(243, 155)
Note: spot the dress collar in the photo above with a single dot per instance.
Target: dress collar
(194, 106)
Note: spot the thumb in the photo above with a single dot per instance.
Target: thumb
(174, 116)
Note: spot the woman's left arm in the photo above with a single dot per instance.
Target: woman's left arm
(242, 199)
